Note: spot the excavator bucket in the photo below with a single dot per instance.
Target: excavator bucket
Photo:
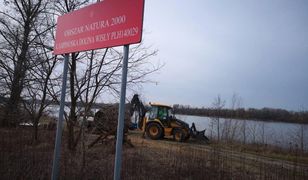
(198, 135)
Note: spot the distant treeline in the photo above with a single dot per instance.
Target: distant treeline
(264, 114)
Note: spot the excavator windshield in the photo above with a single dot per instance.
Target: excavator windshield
(161, 112)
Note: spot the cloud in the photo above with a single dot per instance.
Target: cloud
(255, 48)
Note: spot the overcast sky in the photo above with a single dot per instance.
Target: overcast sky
(257, 49)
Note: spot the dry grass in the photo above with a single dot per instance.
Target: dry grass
(20, 159)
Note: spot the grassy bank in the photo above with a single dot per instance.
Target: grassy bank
(148, 159)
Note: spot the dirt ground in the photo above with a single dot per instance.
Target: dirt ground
(148, 159)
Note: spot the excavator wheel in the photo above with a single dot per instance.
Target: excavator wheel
(178, 135)
(154, 131)
(187, 137)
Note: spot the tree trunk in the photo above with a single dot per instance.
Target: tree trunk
(244, 131)
(35, 132)
(218, 133)
(72, 117)
(302, 138)
(11, 110)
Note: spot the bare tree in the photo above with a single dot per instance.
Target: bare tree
(297, 135)
(40, 74)
(36, 93)
(217, 105)
(263, 127)
(302, 130)
(244, 130)
(62, 7)
(19, 30)
(230, 126)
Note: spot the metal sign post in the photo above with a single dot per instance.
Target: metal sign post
(57, 152)
(118, 155)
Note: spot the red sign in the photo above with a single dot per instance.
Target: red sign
(108, 23)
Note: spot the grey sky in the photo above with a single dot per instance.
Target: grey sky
(257, 49)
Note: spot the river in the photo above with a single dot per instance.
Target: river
(285, 135)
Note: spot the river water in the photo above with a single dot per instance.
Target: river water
(285, 135)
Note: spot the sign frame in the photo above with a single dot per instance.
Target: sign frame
(126, 42)
(108, 23)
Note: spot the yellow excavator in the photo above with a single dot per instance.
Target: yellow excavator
(158, 121)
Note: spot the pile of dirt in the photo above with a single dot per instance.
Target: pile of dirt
(106, 119)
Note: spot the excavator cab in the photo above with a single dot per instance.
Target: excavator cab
(162, 113)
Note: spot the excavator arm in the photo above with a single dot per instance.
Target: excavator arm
(139, 110)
